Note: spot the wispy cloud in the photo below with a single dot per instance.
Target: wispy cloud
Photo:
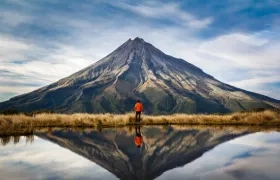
(14, 18)
(12, 49)
(167, 11)
(244, 50)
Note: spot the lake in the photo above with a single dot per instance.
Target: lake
(146, 152)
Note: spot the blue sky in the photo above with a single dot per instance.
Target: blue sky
(235, 41)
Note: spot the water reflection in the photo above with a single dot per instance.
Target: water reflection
(138, 137)
(162, 148)
(45, 160)
(145, 153)
(255, 156)
(15, 139)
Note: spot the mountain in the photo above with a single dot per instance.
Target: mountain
(138, 70)
(162, 149)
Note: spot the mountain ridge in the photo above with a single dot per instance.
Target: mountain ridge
(138, 70)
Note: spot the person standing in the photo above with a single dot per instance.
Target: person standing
(138, 108)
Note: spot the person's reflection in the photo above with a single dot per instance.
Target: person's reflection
(138, 140)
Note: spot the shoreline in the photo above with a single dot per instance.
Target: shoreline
(34, 130)
(14, 123)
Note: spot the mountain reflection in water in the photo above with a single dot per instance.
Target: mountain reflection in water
(169, 152)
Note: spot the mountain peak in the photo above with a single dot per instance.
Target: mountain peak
(140, 40)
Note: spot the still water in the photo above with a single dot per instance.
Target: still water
(143, 153)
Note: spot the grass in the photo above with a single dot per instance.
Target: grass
(13, 123)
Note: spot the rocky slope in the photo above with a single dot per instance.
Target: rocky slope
(162, 149)
(138, 70)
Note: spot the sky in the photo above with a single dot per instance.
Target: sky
(236, 41)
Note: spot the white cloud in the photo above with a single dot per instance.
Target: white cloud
(171, 11)
(17, 89)
(246, 51)
(261, 84)
(14, 18)
(257, 81)
(12, 49)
